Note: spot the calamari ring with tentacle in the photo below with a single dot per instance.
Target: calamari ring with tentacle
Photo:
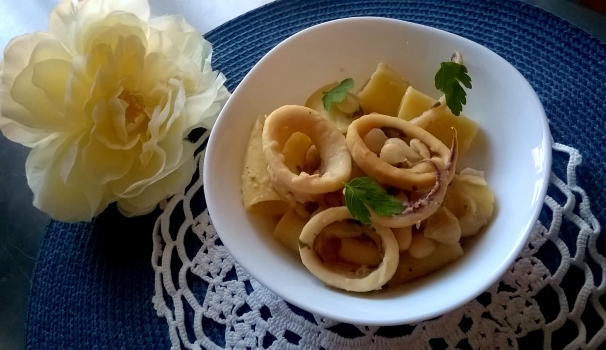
(408, 179)
(328, 140)
(425, 206)
(373, 281)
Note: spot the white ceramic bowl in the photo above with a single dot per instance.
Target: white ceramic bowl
(514, 150)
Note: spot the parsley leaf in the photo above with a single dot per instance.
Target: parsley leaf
(448, 80)
(337, 94)
(363, 191)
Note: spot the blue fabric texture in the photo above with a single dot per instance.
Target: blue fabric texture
(93, 282)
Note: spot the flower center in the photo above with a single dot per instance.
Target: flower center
(135, 114)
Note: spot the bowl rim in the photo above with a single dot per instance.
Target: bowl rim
(546, 144)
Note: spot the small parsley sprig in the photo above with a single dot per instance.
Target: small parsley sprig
(448, 79)
(364, 191)
(337, 94)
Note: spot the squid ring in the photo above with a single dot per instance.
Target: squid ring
(425, 206)
(371, 164)
(375, 280)
(329, 141)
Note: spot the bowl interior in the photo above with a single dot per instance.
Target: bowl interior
(513, 149)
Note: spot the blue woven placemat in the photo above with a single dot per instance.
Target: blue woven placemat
(93, 282)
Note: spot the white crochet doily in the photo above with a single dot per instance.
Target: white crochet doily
(210, 302)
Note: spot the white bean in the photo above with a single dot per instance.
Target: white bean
(375, 139)
(420, 148)
(312, 159)
(403, 236)
(402, 198)
(343, 229)
(392, 153)
(410, 153)
(443, 227)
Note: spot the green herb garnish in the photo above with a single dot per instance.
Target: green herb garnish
(363, 191)
(448, 79)
(337, 94)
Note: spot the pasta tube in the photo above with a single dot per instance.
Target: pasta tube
(258, 194)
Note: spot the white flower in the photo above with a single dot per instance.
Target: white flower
(106, 100)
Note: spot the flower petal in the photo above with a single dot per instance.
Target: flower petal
(17, 54)
(141, 174)
(186, 39)
(157, 71)
(202, 109)
(174, 144)
(110, 30)
(110, 127)
(169, 185)
(176, 103)
(32, 99)
(18, 123)
(103, 164)
(28, 137)
(75, 201)
(79, 91)
(70, 20)
(61, 23)
(50, 77)
(100, 8)
(189, 67)
(41, 113)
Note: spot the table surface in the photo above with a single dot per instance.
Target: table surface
(22, 226)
